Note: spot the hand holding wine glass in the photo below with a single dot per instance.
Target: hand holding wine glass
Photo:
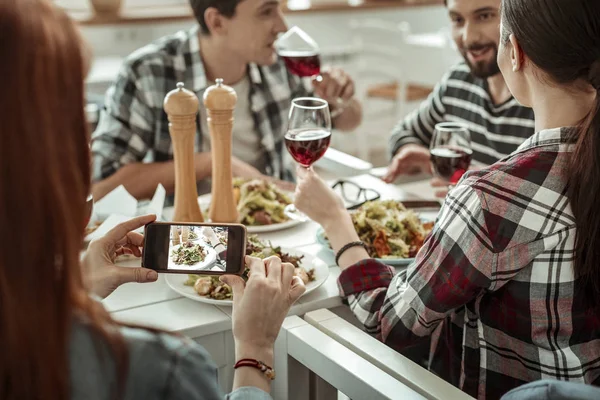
(335, 86)
(317, 199)
(308, 136)
(451, 151)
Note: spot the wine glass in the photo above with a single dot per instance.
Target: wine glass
(451, 151)
(300, 53)
(308, 137)
(301, 56)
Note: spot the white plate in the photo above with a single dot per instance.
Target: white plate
(207, 263)
(175, 281)
(204, 202)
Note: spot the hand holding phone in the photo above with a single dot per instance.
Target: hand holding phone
(185, 248)
(262, 303)
(100, 272)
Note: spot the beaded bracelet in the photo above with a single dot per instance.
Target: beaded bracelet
(264, 368)
(348, 246)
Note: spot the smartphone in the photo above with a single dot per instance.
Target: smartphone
(200, 248)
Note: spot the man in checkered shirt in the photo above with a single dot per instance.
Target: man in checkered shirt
(234, 41)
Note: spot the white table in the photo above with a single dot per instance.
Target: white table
(156, 305)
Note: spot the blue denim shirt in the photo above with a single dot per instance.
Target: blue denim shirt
(161, 367)
(553, 390)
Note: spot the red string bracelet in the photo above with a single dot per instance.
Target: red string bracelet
(261, 366)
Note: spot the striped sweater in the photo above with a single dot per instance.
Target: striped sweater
(496, 129)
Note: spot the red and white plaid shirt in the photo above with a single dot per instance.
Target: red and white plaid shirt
(493, 285)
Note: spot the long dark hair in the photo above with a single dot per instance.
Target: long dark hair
(44, 182)
(562, 37)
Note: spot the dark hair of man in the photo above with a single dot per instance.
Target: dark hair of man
(225, 8)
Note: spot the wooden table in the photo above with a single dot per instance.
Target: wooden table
(156, 305)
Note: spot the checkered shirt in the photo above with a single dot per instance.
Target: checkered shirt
(134, 127)
(493, 285)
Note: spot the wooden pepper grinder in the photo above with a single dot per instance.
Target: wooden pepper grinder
(220, 101)
(181, 107)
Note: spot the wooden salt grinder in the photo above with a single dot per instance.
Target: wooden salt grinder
(181, 107)
(220, 101)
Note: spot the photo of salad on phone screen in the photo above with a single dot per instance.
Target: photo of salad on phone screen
(195, 248)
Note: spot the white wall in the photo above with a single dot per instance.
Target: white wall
(329, 29)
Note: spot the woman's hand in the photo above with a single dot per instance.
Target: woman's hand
(316, 199)
(100, 273)
(261, 304)
(259, 308)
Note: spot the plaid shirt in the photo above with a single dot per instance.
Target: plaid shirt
(493, 285)
(134, 126)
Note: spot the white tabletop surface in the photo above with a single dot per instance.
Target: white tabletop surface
(155, 304)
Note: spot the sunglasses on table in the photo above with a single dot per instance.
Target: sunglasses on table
(354, 195)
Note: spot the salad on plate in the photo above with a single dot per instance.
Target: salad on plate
(188, 254)
(260, 202)
(389, 229)
(212, 287)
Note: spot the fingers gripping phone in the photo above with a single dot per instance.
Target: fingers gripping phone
(187, 248)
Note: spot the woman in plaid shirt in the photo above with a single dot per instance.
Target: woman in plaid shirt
(508, 283)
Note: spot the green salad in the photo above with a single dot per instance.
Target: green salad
(389, 229)
(260, 202)
(188, 254)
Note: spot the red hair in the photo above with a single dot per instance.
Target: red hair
(44, 181)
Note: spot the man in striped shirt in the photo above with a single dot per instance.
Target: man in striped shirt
(473, 92)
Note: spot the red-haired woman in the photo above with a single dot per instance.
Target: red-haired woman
(56, 342)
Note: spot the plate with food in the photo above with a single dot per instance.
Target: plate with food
(393, 231)
(208, 289)
(192, 255)
(260, 205)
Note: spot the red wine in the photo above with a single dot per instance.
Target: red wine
(450, 163)
(307, 146)
(302, 63)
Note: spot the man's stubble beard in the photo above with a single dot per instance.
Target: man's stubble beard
(483, 69)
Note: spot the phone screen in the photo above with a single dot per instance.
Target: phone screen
(195, 248)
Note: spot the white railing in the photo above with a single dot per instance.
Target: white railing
(323, 354)
(312, 365)
(383, 357)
